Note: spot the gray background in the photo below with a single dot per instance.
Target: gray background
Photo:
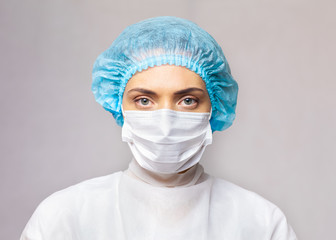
(282, 144)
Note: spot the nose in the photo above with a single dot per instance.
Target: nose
(166, 103)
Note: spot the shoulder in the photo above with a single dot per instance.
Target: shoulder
(251, 211)
(59, 213)
(84, 190)
(233, 193)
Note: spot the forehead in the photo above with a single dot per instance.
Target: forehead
(166, 77)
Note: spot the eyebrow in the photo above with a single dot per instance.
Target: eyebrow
(142, 90)
(180, 92)
(188, 90)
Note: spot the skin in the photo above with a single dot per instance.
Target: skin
(169, 87)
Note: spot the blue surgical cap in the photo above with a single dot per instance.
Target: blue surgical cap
(165, 40)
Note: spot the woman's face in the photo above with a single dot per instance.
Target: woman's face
(167, 86)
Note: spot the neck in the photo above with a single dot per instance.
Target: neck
(189, 177)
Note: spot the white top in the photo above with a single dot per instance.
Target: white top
(133, 205)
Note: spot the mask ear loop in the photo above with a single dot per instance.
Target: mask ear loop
(122, 111)
(210, 113)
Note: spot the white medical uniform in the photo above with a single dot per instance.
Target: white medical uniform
(140, 205)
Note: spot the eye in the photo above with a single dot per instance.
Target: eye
(189, 101)
(143, 102)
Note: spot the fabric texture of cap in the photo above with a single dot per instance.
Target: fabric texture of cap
(165, 40)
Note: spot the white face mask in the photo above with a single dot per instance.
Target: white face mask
(166, 141)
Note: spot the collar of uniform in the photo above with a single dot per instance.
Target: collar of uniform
(191, 177)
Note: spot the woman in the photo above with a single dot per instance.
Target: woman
(167, 83)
